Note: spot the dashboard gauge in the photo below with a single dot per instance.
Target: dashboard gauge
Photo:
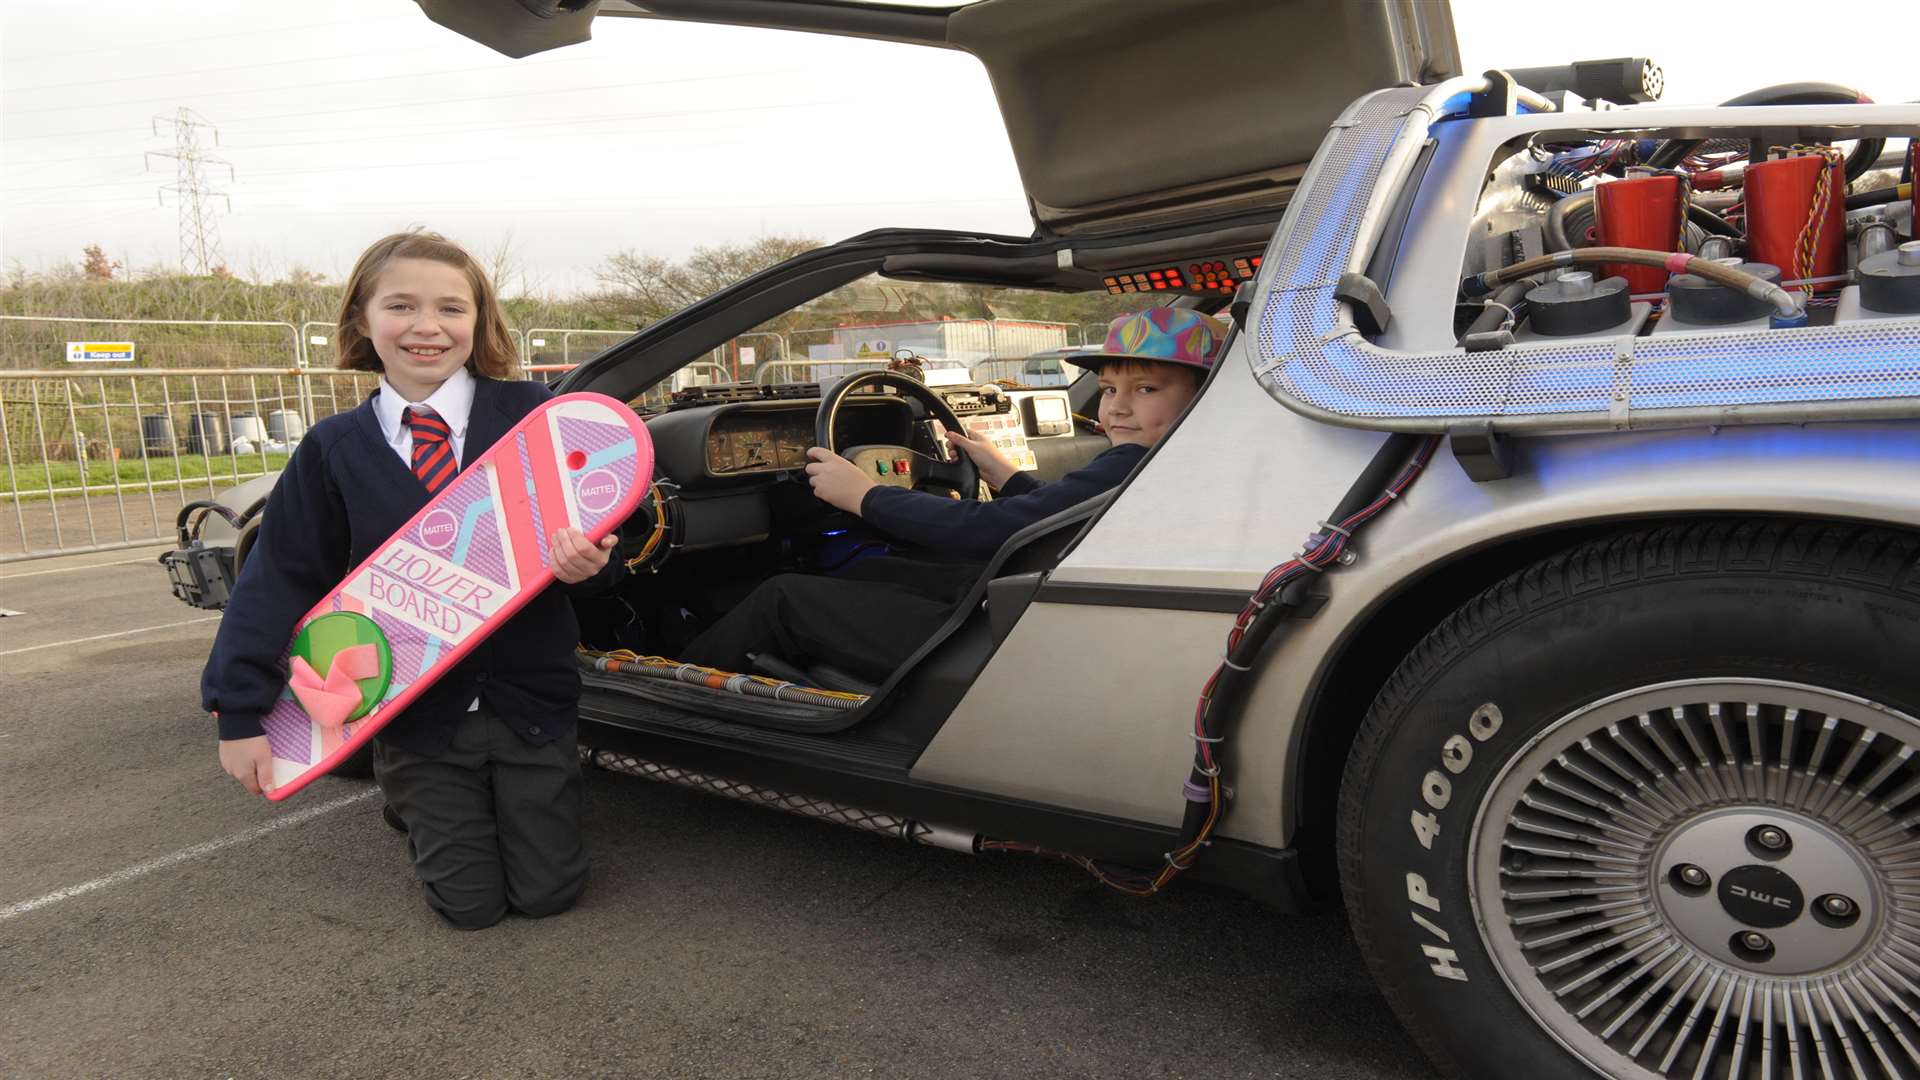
(750, 441)
(752, 450)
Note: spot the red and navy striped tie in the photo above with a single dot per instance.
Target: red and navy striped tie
(433, 460)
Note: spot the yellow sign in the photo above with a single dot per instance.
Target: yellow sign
(94, 352)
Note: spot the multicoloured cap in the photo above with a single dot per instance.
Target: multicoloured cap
(1170, 335)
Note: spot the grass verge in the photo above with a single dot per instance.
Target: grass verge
(40, 481)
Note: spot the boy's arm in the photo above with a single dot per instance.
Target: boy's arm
(1020, 483)
(298, 557)
(979, 528)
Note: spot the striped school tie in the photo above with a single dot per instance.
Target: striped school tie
(433, 460)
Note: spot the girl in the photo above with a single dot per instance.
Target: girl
(481, 769)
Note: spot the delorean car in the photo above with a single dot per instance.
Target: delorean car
(1537, 573)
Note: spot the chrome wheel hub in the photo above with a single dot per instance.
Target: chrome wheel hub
(1805, 906)
(1712, 878)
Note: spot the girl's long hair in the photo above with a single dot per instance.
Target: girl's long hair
(493, 354)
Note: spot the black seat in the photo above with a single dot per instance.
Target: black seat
(1007, 584)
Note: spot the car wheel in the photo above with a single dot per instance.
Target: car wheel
(1651, 808)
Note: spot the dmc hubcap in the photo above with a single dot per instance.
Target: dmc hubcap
(1763, 867)
(1713, 878)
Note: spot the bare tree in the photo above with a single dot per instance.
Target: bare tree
(647, 287)
(506, 268)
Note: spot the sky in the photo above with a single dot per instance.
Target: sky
(340, 121)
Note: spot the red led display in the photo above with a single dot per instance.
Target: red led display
(1213, 275)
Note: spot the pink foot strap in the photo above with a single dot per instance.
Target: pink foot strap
(332, 701)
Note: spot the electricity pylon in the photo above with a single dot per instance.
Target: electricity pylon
(199, 232)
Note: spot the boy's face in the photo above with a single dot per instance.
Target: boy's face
(1139, 401)
(420, 317)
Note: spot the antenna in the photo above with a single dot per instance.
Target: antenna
(199, 232)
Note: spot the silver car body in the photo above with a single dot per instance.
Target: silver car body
(1244, 480)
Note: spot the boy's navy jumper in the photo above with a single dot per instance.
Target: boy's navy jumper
(977, 529)
(342, 494)
(873, 616)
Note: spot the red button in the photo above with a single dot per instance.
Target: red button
(900, 466)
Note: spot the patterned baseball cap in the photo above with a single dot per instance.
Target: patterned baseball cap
(1169, 335)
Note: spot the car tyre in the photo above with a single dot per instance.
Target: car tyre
(1496, 894)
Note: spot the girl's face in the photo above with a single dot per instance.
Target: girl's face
(1138, 403)
(420, 316)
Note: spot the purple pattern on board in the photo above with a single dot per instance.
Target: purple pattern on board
(591, 437)
(409, 647)
(289, 732)
(485, 556)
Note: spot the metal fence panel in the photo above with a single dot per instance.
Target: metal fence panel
(101, 459)
(97, 456)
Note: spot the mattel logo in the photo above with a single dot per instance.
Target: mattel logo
(439, 530)
(598, 491)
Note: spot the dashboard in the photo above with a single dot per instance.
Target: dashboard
(733, 457)
(714, 446)
(743, 442)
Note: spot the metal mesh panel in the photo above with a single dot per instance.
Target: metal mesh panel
(1308, 362)
(855, 817)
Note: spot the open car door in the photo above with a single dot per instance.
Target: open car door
(1122, 114)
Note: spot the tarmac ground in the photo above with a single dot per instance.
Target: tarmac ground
(157, 921)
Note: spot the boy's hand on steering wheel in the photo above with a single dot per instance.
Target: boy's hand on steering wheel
(836, 481)
(994, 467)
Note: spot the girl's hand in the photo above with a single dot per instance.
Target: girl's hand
(994, 467)
(249, 761)
(837, 481)
(575, 559)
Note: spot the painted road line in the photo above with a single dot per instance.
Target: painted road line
(150, 560)
(183, 855)
(103, 637)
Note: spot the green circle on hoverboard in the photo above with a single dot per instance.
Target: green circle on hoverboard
(319, 640)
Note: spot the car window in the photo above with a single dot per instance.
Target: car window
(989, 331)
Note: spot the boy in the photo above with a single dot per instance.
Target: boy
(870, 619)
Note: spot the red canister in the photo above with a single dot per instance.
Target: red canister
(1780, 200)
(1639, 212)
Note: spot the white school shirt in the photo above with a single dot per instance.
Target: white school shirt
(451, 401)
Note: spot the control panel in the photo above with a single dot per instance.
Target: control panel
(885, 465)
(1046, 414)
(1008, 432)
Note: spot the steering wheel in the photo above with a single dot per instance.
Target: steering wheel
(889, 463)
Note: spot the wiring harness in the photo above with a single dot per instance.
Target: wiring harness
(1282, 595)
(665, 498)
(659, 667)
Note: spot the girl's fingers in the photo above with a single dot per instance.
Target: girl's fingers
(575, 558)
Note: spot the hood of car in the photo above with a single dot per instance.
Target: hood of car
(1122, 114)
